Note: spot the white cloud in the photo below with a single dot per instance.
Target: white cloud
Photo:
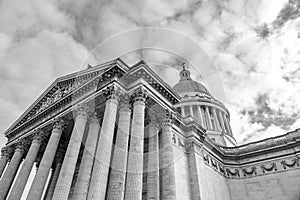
(41, 40)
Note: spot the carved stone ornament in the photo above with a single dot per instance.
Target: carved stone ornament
(206, 159)
(249, 172)
(214, 164)
(5, 152)
(59, 124)
(38, 135)
(140, 94)
(81, 110)
(234, 173)
(125, 101)
(94, 117)
(167, 118)
(111, 92)
(290, 164)
(222, 170)
(268, 167)
(22, 144)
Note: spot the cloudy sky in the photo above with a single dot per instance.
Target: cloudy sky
(254, 46)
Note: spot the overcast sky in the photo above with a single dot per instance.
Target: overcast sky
(254, 46)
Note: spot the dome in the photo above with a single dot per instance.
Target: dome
(187, 85)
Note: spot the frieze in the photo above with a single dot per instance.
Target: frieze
(249, 171)
(233, 172)
(179, 142)
(290, 164)
(268, 167)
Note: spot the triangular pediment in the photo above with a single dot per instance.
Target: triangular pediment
(65, 90)
(63, 86)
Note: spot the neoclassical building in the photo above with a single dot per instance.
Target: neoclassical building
(114, 131)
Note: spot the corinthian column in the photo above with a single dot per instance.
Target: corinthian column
(64, 181)
(134, 179)
(5, 152)
(12, 168)
(24, 173)
(40, 179)
(85, 170)
(98, 183)
(153, 161)
(54, 176)
(116, 185)
(168, 187)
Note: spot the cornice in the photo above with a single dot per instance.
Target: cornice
(58, 90)
(233, 164)
(66, 101)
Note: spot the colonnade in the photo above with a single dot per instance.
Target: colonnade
(208, 117)
(109, 169)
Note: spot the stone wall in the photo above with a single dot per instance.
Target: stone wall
(213, 186)
(182, 178)
(275, 186)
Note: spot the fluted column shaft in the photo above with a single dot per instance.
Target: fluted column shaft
(226, 120)
(116, 184)
(20, 183)
(153, 162)
(217, 122)
(222, 121)
(4, 159)
(191, 111)
(53, 180)
(226, 123)
(10, 172)
(65, 177)
(209, 125)
(168, 187)
(98, 183)
(40, 179)
(200, 116)
(182, 111)
(85, 170)
(134, 179)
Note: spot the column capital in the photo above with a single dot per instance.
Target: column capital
(167, 118)
(81, 110)
(6, 151)
(111, 92)
(38, 136)
(125, 101)
(93, 117)
(22, 144)
(139, 94)
(58, 124)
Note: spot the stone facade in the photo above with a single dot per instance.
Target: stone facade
(119, 132)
